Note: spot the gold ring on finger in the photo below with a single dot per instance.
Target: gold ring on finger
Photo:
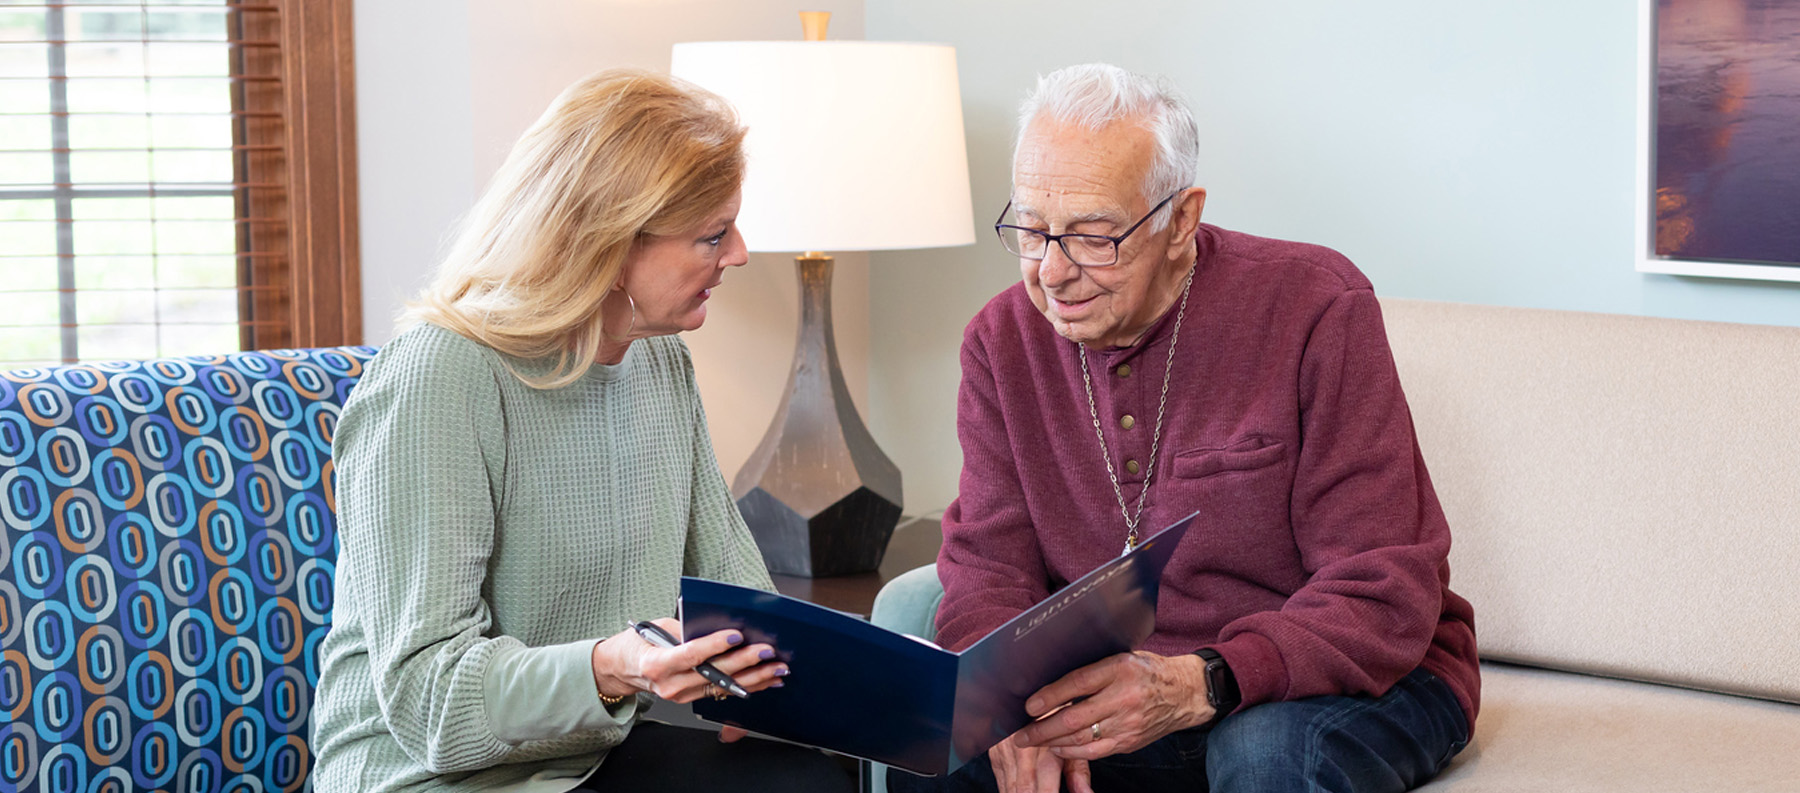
(1094, 730)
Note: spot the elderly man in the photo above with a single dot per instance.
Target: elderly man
(1151, 365)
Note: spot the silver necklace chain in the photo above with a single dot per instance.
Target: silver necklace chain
(1087, 382)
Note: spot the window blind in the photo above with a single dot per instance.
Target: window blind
(146, 179)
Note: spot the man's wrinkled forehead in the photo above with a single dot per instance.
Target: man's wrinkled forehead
(1072, 174)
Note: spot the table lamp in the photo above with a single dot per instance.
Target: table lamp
(852, 146)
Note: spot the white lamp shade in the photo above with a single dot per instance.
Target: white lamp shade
(852, 145)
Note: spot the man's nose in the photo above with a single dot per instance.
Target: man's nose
(1056, 267)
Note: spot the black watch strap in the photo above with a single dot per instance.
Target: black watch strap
(1221, 685)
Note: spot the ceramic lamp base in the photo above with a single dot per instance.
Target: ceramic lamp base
(819, 496)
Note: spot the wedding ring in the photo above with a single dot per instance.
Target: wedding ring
(715, 692)
(1095, 730)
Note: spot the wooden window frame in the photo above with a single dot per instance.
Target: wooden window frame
(311, 112)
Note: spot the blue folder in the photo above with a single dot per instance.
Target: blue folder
(872, 693)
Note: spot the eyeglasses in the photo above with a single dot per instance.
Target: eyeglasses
(1086, 250)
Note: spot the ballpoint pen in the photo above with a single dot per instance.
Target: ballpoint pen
(655, 635)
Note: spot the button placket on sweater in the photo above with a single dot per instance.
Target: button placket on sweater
(1132, 395)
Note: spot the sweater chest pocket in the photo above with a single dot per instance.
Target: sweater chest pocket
(1243, 490)
(1248, 454)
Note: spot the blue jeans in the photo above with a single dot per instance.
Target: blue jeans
(1390, 743)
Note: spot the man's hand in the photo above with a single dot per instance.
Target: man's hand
(1036, 770)
(1135, 698)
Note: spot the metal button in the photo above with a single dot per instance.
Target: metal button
(1124, 370)
(1131, 466)
(1127, 421)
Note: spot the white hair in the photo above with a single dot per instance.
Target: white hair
(1093, 95)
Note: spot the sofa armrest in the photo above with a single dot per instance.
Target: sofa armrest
(909, 603)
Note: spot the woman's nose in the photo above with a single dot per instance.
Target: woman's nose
(738, 253)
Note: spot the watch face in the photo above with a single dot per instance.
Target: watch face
(1217, 681)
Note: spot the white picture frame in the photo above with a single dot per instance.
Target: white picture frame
(1644, 196)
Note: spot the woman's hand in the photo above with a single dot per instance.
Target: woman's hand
(625, 664)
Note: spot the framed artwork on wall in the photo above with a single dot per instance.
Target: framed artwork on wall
(1718, 184)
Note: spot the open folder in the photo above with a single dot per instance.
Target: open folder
(872, 693)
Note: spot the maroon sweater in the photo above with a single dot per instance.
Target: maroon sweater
(1317, 565)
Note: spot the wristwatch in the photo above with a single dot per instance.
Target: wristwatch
(1221, 685)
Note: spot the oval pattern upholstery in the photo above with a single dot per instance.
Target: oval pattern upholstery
(166, 575)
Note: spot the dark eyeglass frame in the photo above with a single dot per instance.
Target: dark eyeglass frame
(1000, 230)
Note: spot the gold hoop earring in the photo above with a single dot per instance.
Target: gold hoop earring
(625, 337)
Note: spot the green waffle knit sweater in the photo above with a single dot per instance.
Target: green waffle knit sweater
(489, 534)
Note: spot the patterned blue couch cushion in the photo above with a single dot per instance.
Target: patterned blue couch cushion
(166, 575)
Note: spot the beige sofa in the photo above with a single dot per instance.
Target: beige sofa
(1624, 495)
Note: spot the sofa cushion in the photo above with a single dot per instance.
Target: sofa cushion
(1622, 491)
(166, 574)
(1541, 730)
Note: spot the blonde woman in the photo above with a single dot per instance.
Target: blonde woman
(526, 467)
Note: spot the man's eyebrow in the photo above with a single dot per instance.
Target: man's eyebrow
(1092, 216)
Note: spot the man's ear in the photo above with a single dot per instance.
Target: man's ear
(1185, 221)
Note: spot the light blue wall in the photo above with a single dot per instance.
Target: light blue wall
(1477, 152)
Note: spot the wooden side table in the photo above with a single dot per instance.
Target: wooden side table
(915, 543)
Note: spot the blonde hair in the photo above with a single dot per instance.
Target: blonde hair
(621, 154)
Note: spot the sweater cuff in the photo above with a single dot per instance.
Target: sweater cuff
(539, 693)
(1257, 665)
